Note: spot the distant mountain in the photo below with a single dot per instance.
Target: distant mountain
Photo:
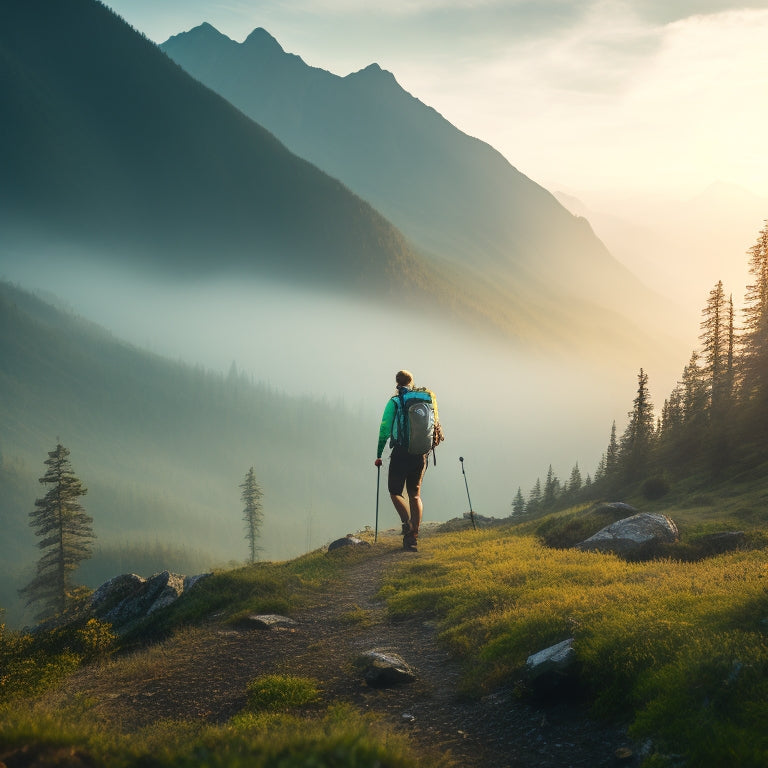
(452, 194)
(107, 144)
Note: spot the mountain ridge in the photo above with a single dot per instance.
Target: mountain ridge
(452, 194)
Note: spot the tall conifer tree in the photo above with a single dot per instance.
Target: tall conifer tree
(636, 442)
(754, 342)
(66, 533)
(518, 503)
(575, 483)
(714, 337)
(534, 497)
(253, 515)
(612, 454)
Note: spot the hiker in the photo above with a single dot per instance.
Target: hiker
(410, 423)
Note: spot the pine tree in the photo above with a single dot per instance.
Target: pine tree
(600, 469)
(754, 342)
(715, 340)
(612, 454)
(575, 483)
(66, 532)
(636, 442)
(695, 397)
(253, 515)
(730, 368)
(534, 498)
(551, 488)
(518, 503)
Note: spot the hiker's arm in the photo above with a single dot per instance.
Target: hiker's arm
(385, 430)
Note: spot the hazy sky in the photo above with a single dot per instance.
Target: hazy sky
(633, 95)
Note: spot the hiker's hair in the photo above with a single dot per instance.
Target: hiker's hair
(404, 378)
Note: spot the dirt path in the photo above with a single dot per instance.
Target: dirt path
(203, 674)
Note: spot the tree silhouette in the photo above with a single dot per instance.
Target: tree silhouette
(518, 503)
(534, 498)
(66, 532)
(575, 482)
(252, 512)
(754, 342)
(636, 442)
(551, 488)
(714, 338)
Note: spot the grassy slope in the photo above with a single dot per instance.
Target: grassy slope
(675, 649)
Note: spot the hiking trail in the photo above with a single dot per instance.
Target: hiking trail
(202, 673)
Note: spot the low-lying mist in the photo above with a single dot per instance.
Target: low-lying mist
(509, 412)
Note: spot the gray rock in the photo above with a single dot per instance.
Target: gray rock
(557, 660)
(347, 541)
(632, 533)
(166, 588)
(270, 621)
(115, 591)
(383, 667)
(126, 599)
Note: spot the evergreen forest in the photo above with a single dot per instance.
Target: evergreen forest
(709, 430)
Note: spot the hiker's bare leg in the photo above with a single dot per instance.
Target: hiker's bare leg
(416, 508)
(401, 507)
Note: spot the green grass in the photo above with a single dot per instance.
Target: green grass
(282, 693)
(340, 737)
(677, 649)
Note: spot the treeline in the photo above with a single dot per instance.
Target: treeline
(711, 426)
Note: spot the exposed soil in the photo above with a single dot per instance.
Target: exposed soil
(203, 674)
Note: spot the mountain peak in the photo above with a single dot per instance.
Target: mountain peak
(263, 39)
(204, 31)
(373, 71)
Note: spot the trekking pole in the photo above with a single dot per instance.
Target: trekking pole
(471, 513)
(378, 478)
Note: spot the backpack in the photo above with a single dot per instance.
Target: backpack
(419, 429)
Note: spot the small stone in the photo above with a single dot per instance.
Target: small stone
(383, 668)
(270, 621)
(408, 717)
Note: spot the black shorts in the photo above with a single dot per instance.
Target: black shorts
(406, 470)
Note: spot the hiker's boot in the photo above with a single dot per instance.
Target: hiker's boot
(406, 529)
(410, 542)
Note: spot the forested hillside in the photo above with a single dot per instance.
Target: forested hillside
(162, 448)
(113, 147)
(709, 430)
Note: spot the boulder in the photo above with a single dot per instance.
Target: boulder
(552, 663)
(114, 591)
(632, 534)
(128, 598)
(347, 541)
(383, 667)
